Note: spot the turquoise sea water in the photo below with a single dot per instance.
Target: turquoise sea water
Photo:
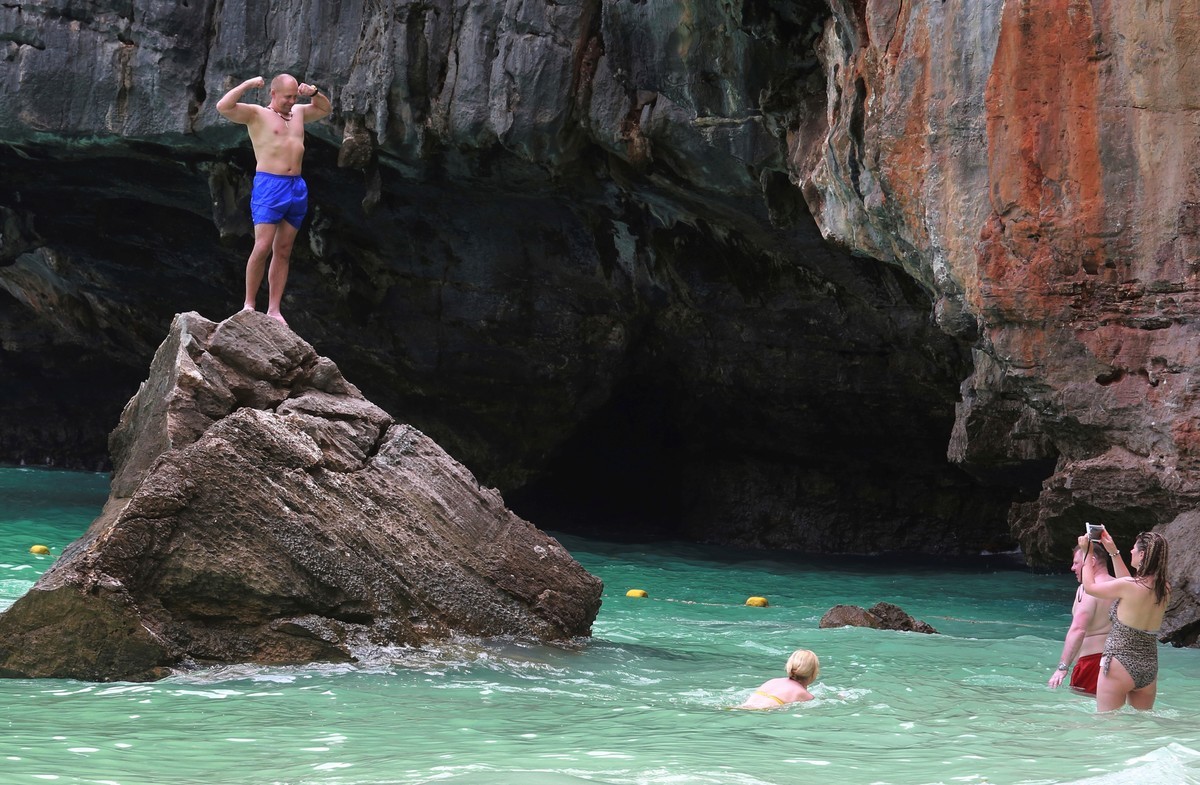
(647, 700)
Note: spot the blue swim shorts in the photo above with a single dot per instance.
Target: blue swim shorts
(278, 197)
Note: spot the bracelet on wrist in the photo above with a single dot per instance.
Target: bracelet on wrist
(1062, 666)
(1113, 553)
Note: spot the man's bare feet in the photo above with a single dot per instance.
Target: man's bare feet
(277, 316)
(247, 307)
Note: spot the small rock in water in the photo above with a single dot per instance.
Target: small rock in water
(881, 616)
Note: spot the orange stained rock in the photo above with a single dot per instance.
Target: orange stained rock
(1044, 158)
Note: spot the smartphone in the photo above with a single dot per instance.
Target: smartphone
(1094, 530)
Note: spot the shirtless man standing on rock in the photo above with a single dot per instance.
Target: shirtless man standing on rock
(1090, 626)
(280, 197)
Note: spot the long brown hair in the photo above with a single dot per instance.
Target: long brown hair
(1153, 571)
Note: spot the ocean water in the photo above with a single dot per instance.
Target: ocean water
(647, 700)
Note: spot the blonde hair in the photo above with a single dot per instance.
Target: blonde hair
(803, 666)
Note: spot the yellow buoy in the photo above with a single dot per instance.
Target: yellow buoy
(636, 593)
(757, 602)
(40, 550)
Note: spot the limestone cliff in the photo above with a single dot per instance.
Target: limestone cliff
(1032, 165)
(831, 274)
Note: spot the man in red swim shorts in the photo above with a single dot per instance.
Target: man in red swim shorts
(1085, 638)
(280, 197)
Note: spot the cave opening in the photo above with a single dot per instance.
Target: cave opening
(790, 413)
(619, 475)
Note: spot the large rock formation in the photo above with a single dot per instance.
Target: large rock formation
(828, 274)
(1032, 164)
(263, 510)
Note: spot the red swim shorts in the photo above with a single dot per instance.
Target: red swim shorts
(1085, 674)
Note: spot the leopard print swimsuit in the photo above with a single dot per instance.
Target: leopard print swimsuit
(1136, 649)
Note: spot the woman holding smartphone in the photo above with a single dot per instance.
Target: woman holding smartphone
(1129, 666)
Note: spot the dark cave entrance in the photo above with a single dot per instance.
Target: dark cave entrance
(782, 418)
(619, 476)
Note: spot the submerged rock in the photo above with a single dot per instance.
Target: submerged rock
(881, 616)
(848, 616)
(893, 617)
(263, 510)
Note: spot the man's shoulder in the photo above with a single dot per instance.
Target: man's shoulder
(1094, 604)
(246, 114)
(256, 117)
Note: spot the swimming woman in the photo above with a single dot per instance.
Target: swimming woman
(1129, 665)
(802, 668)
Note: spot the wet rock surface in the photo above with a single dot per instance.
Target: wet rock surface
(263, 511)
(1181, 626)
(881, 616)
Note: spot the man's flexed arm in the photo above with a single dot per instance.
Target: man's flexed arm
(319, 107)
(229, 107)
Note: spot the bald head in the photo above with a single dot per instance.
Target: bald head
(284, 83)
